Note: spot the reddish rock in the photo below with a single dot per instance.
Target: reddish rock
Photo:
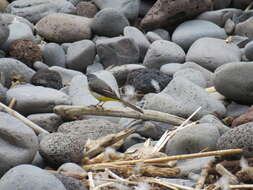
(244, 118)
(86, 9)
(167, 13)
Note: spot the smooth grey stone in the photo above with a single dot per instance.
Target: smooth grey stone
(229, 26)
(238, 137)
(90, 128)
(71, 167)
(241, 4)
(220, 17)
(131, 140)
(28, 177)
(193, 75)
(234, 81)
(10, 67)
(95, 67)
(81, 54)
(182, 97)
(245, 28)
(18, 143)
(130, 8)
(139, 38)
(59, 148)
(249, 51)
(144, 7)
(36, 99)
(193, 139)
(4, 33)
(190, 31)
(211, 119)
(3, 91)
(193, 165)
(235, 110)
(117, 51)
(11, 19)
(206, 73)
(18, 31)
(38, 65)
(97, 38)
(86, 9)
(152, 36)
(66, 74)
(163, 33)
(65, 90)
(79, 92)
(2, 54)
(38, 161)
(54, 55)
(48, 121)
(211, 53)
(65, 46)
(70, 183)
(34, 10)
(171, 68)
(162, 52)
(221, 4)
(109, 22)
(64, 28)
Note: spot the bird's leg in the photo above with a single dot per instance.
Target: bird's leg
(100, 104)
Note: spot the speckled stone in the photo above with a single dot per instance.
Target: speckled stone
(70, 183)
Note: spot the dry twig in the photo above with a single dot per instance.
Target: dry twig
(203, 175)
(12, 103)
(224, 172)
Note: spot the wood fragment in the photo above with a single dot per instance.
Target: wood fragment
(72, 112)
(177, 157)
(12, 103)
(243, 186)
(103, 185)
(91, 181)
(245, 174)
(224, 172)
(37, 129)
(203, 175)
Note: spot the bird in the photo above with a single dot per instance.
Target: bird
(103, 86)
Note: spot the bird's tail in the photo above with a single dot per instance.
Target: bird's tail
(131, 105)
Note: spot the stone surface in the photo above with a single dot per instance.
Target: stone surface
(81, 54)
(54, 55)
(18, 143)
(152, 36)
(171, 68)
(193, 75)
(241, 4)
(66, 74)
(63, 28)
(109, 22)
(117, 51)
(47, 78)
(131, 140)
(26, 177)
(234, 81)
(148, 80)
(244, 118)
(235, 110)
(182, 97)
(244, 28)
(193, 139)
(79, 92)
(249, 51)
(18, 31)
(3, 91)
(190, 31)
(36, 99)
(34, 10)
(239, 137)
(211, 53)
(71, 167)
(90, 128)
(139, 38)
(48, 121)
(86, 9)
(221, 4)
(10, 68)
(59, 148)
(162, 52)
(4, 33)
(166, 13)
(70, 183)
(130, 8)
(38, 65)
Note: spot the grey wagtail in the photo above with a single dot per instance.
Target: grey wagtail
(103, 86)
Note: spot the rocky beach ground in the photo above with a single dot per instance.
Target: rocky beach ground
(187, 64)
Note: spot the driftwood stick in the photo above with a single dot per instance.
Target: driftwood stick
(203, 175)
(103, 185)
(91, 181)
(224, 172)
(12, 103)
(244, 186)
(178, 157)
(72, 112)
(26, 121)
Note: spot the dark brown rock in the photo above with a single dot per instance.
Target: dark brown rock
(26, 51)
(244, 118)
(167, 13)
(86, 9)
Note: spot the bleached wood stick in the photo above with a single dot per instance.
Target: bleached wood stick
(224, 172)
(71, 112)
(37, 129)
